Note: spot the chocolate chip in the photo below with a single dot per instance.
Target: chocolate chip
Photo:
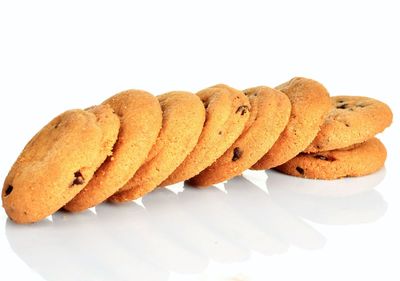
(78, 178)
(220, 133)
(320, 157)
(361, 105)
(237, 153)
(300, 170)
(8, 190)
(342, 106)
(323, 157)
(242, 109)
(249, 93)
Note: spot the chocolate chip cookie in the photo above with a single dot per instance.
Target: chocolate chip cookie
(227, 111)
(58, 162)
(269, 115)
(362, 159)
(352, 120)
(310, 105)
(140, 115)
(183, 120)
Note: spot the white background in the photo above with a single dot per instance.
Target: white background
(56, 56)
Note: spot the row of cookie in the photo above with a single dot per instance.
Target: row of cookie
(134, 142)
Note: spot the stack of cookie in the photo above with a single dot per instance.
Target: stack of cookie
(345, 145)
(134, 142)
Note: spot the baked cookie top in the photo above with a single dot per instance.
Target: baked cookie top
(352, 120)
(269, 114)
(310, 103)
(227, 111)
(183, 120)
(58, 162)
(141, 117)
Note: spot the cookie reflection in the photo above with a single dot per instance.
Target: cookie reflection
(75, 247)
(337, 202)
(137, 229)
(211, 208)
(257, 208)
(184, 231)
(192, 229)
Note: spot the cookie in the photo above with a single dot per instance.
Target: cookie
(361, 160)
(310, 105)
(141, 117)
(183, 120)
(269, 115)
(58, 162)
(351, 120)
(227, 111)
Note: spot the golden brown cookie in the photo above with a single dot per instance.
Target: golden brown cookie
(227, 111)
(362, 159)
(269, 115)
(58, 162)
(351, 120)
(310, 104)
(141, 117)
(183, 120)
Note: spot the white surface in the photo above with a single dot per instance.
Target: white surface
(56, 56)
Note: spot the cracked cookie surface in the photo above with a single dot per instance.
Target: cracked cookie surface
(352, 120)
(360, 160)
